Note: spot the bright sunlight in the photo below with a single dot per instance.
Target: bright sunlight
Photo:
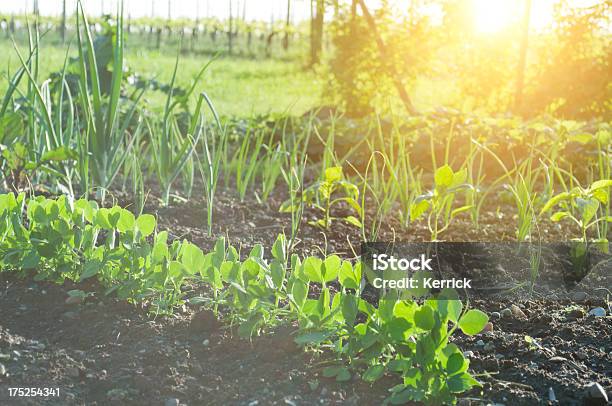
(491, 16)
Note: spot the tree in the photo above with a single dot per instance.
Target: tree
(384, 56)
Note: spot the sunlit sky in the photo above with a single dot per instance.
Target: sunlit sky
(489, 16)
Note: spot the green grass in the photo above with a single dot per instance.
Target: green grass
(237, 85)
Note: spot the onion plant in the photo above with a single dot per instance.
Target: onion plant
(246, 160)
(173, 149)
(292, 170)
(213, 155)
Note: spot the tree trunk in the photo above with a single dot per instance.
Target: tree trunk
(316, 31)
(520, 74)
(389, 66)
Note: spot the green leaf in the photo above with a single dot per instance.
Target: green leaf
(192, 257)
(601, 195)
(354, 221)
(278, 248)
(424, 318)
(399, 365)
(554, 201)
(600, 184)
(417, 209)
(333, 174)
(101, 219)
(558, 216)
(312, 269)
(58, 154)
(90, 269)
(126, 221)
(316, 337)
(350, 308)
(332, 371)
(588, 209)
(461, 383)
(373, 373)
(398, 328)
(299, 292)
(330, 267)
(444, 176)
(146, 224)
(343, 375)
(349, 276)
(460, 210)
(473, 322)
(456, 364)
(459, 177)
(450, 308)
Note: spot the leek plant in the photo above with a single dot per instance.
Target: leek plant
(49, 150)
(106, 129)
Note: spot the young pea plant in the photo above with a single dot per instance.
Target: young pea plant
(322, 194)
(582, 207)
(439, 202)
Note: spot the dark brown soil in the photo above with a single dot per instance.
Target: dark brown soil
(105, 351)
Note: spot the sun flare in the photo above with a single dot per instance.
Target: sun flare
(491, 16)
